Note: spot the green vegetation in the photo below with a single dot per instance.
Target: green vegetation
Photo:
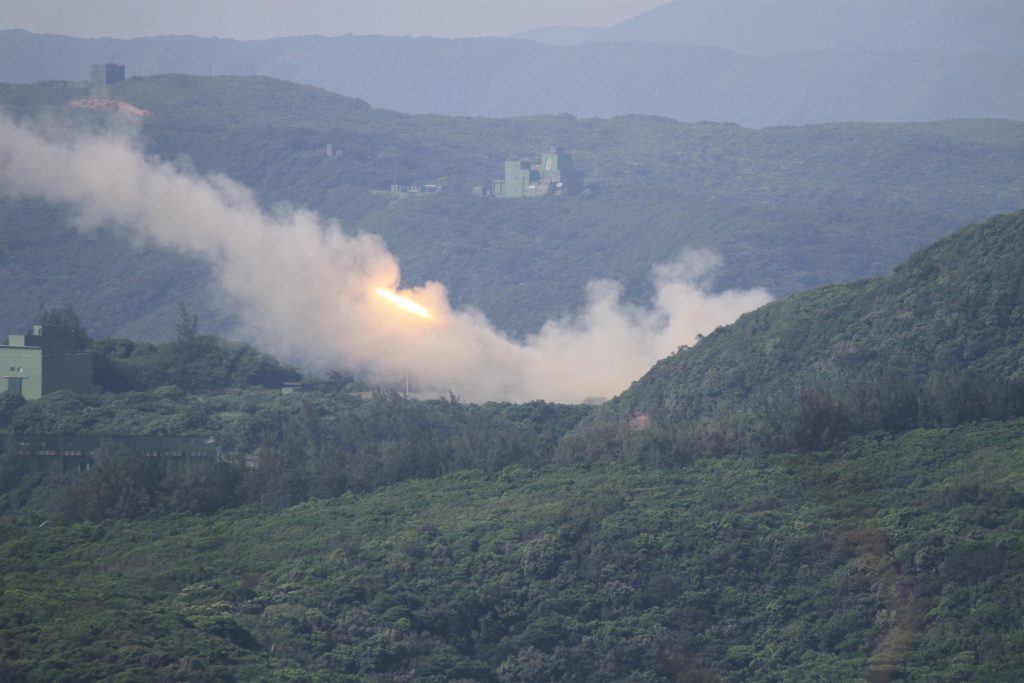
(321, 440)
(816, 533)
(832, 488)
(787, 208)
(203, 363)
(881, 557)
(952, 308)
(306, 445)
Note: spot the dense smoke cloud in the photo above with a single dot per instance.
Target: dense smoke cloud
(304, 289)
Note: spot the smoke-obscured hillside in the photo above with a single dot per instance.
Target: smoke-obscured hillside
(957, 306)
(505, 77)
(786, 208)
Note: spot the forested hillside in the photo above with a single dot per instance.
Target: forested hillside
(786, 208)
(831, 488)
(882, 559)
(502, 77)
(957, 306)
(821, 530)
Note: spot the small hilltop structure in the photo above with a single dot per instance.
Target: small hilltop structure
(107, 74)
(104, 75)
(50, 358)
(554, 175)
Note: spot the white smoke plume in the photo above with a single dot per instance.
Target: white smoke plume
(304, 289)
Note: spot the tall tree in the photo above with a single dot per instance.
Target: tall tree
(187, 328)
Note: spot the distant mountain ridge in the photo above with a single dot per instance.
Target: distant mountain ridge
(763, 27)
(504, 77)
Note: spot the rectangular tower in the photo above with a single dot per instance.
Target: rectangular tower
(107, 74)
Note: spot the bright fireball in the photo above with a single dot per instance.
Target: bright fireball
(403, 302)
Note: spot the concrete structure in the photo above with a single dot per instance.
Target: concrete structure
(415, 189)
(518, 176)
(557, 169)
(107, 74)
(77, 452)
(555, 174)
(44, 361)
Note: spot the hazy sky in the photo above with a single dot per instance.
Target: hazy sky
(267, 18)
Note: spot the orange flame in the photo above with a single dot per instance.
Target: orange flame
(404, 302)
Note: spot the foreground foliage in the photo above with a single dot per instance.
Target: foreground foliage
(277, 449)
(883, 557)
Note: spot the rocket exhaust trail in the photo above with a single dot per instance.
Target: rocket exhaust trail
(403, 302)
(307, 291)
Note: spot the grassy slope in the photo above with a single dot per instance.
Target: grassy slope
(886, 554)
(957, 304)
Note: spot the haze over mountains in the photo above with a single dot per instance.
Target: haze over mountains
(256, 19)
(754, 63)
(764, 27)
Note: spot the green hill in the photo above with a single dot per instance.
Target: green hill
(957, 305)
(375, 538)
(886, 559)
(787, 208)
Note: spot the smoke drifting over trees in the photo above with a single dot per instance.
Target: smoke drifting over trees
(304, 288)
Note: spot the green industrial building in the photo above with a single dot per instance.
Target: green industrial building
(46, 360)
(555, 174)
(518, 176)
